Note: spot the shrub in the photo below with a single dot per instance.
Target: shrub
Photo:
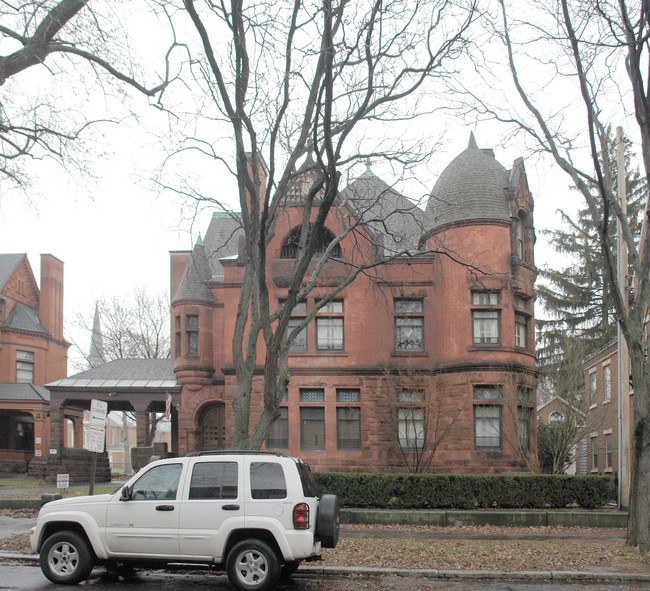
(464, 491)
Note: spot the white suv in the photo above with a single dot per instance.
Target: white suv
(254, 514)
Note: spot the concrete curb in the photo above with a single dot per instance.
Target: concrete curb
(433, 573)
(556, 576)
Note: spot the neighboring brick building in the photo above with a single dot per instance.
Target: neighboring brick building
(427, 352)
(33, 352)
(600, 443)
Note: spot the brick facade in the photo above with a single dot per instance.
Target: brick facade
(464, 390)
(33, 352)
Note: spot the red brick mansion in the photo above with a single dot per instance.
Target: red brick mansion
(427, 365)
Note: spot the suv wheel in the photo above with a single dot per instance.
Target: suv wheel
(327, 524)
(66, 558)
(252, 565)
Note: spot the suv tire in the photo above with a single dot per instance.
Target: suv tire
(327, 524)
(66, 558)
(252, 565)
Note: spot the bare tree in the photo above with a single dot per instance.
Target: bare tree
(64, 38)
(300, 84)
(133, 328)
(418, 423)
(580, 61)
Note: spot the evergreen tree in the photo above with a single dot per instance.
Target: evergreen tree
(576, 297)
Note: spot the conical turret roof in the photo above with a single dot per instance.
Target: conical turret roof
(193, 285)
(473, 187)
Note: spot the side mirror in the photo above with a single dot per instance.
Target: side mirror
(126, 494)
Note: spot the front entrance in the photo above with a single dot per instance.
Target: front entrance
(213, 427)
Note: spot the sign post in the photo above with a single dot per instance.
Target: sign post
(96, 435)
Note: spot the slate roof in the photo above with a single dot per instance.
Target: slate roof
(23, 392)
(22, 317)
(193, 285)
(124, 373)
(385, 211)
(221, 240)
(8, 262)
(472, 187)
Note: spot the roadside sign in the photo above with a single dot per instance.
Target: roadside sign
(63, 480)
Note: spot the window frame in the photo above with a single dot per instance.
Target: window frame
(327, 314)
(499, 422)
(486, 309)
(348, 399)
(25, 365)
(521, 324)
(410, 319)
(192, 335)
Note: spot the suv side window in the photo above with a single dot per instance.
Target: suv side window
(160, 482)
(307, 480)
(267, 481)
(214, 480)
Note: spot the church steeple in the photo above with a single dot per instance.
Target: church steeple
(96, 353)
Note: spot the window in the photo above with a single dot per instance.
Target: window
(312, 428)
(267, 481)
(409, 325)
(609, 459)
(486, 323)
(555, 417)
(594, 385)
(278, 437)
(485, 298)
(214, 480)
(410, 428)
(177, 337)
(523, 427)
(329, 329)
(312, 419)
(524, 395)
(292, 242)
(487, 426)
(299, 344)
(521, 235)
(607, 376)
(521, 331)
(24, 367)
(348, 420)
(487, 393)
(594, 452)
(521, 303)
(25, 434)
(192, 328)
(160, 482)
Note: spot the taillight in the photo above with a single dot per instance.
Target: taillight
(301, 516)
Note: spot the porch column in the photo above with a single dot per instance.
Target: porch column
(142, 422)
(57, 422)
(78, 429)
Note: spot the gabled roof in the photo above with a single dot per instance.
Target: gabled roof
(23, 317)
(8, 263)
(124, 373)
(23, 392)
(385, 211)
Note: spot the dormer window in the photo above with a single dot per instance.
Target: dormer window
(291, 242)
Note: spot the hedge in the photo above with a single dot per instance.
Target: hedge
(464, 491)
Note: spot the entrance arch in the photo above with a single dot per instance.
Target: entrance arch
(212, 427)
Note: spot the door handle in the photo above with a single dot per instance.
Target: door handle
(164, 507)
(230, 507)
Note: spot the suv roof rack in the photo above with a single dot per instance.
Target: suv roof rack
(223, 452)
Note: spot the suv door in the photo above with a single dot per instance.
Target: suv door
(146, 524)
(214, 502)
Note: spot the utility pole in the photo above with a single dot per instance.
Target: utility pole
(623, 356)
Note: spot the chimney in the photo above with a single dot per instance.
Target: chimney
(51, 297)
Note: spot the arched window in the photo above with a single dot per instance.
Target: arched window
(290, 245)
(555, 417)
